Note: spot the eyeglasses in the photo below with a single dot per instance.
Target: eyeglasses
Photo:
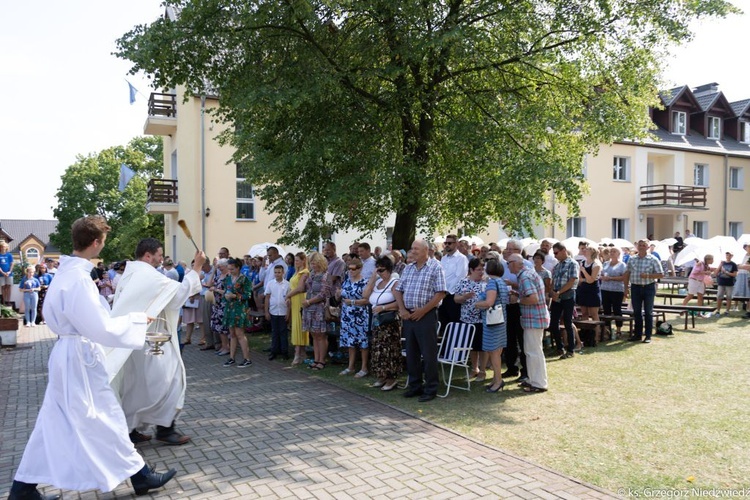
(379, 271)
(449, 243)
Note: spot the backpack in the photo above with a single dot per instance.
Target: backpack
(663, 328)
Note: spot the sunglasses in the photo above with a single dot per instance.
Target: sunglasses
(380, 271)
(354, 268)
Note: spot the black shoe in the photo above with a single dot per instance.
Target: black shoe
(410, 393)
(272, 356)
(169, 435)
(634, 338)
(136, 437)
(509, 373)
(151, 480)
(426, 397)
(26, 491)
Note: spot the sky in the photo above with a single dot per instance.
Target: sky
(66, 95)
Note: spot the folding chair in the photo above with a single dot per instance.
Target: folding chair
(454, 351)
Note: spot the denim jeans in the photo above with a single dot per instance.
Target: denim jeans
(565, 309)
(29, 303)
(643, 297)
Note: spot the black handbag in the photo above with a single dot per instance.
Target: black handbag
(384, 317)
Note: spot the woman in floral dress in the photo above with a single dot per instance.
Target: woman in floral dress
(238, 288)
(387, 362)
(317, 292)
(355, 318)
(217, 309)
(467, 294)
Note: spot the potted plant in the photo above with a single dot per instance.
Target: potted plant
(9, 324)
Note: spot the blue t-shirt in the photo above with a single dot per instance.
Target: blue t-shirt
(290, 272)
(6, 262)
(45, 279)
(29, 283)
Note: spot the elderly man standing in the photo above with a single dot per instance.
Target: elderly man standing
(515, 349)
(534, 319)
(456, 267)
(642, 272)
(418, 294)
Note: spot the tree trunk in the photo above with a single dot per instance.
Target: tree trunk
(405, 229)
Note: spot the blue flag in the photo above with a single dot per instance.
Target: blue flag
(133, 91)
(126, 173)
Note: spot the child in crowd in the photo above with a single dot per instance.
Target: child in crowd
(277, 312)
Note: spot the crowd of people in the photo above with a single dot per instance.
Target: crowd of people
(374, 305)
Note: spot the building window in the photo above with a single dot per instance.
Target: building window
(736, 178)
(700, 175)
(700, 228)
(32, 254)
(245, 197)
(745, 132)
(735, 229)
(679, 122)
(576, 226)
(714, 128)
(620, 228)
(621, 168)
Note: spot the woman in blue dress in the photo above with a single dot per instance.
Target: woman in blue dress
(494, 337)
(355, 317)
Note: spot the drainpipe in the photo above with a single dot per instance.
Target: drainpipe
(725, 224)
(203, 173)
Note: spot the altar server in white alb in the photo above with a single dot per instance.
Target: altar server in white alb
(80, 440)
(152, 388)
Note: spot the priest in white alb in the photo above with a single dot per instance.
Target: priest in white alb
(80, 439)
(152, 388)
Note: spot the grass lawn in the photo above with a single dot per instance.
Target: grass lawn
(673, 413)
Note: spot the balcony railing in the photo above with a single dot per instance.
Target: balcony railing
(160, 104)
(673, 195)
(162, 191)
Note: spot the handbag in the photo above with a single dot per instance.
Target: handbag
(384, 318)
(332, 311)
(495, 314)
(209, 297)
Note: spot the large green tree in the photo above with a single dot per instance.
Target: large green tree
(90, 186)
(447, 112)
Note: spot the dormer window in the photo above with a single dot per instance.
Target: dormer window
(745, 132)
(679, 122)
(714, 128)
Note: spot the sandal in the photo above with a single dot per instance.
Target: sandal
(346, 371)
(317, 366)
(360, 374)
(480, 377)
(533, 389)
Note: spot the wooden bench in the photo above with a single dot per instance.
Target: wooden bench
(587, 331)
(689, 310)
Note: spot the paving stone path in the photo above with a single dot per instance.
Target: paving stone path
(267, 432)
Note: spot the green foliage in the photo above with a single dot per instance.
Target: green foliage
(90, 186)
(448, 113)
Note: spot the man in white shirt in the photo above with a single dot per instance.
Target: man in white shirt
(549, 260)
(368, 261)
(456, 267)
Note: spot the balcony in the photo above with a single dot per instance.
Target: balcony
(162, 114)
(162, 196)
(673, 198)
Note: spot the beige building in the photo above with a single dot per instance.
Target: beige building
(689, 176)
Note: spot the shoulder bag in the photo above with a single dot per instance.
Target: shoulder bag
(495, 314)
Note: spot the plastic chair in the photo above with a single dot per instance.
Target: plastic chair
(454, 352)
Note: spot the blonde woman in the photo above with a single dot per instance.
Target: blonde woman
(300, 337)
(30, 287)
(317, 293)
